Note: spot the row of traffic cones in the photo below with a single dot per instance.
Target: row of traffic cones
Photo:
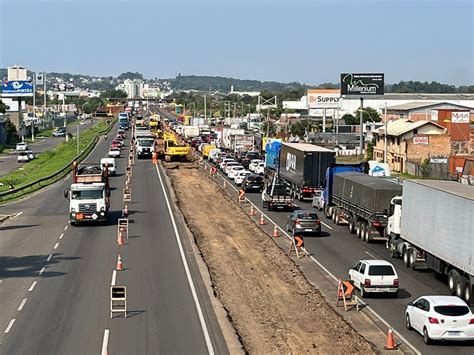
(262, 222)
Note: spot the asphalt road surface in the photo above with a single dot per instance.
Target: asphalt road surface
(56, 278)
(8, 162)
(338, 250)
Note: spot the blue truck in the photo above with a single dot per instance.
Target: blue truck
(124, 120)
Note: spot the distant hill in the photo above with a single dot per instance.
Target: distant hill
(223, 84)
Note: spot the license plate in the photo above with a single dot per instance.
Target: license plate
(308, 230)
(451, 332)
(256, 187)
(280, 207)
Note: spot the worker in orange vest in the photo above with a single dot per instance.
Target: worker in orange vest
(241, 195)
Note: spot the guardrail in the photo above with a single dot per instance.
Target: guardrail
(51, 179)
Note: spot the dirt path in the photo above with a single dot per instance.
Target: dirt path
(270, 303)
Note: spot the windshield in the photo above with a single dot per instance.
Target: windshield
(381, 270)
(307, 215)
(87, 194)
(146, 143)
(453, 311)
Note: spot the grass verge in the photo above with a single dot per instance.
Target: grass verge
(50, 161)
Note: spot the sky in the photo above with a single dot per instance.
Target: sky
(310, 42)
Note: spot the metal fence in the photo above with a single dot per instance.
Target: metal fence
(48, 180)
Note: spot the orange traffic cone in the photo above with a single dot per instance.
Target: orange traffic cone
(262, 221)
(119, 264)
(390, 342)
(275, 232)
(125, 211)
(120, 238)
(252, 211)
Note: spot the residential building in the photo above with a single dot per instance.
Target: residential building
(133, 88)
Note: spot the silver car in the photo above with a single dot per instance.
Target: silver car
(318, 200)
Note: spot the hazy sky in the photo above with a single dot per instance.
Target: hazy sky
(294, 40)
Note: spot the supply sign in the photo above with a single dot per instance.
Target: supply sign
(17, 88)
(323, 98)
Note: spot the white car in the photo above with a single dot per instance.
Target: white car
(23, 157)
(111, 165)
(374, 276)
(260, 169)
(241, 176)
(224, 162)
(234, 170)
(22, 146)
(253, 164)
(318, 200)
(114, 152)
(229, 165)
(31, 154)
(440, 318)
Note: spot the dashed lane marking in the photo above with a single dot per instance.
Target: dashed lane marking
(105, 342)
(32, 287)
(370, 255)
(61, 236)
(10, 325)
(42, 270)
(66, 227)
(20, 307)
(49, 257)
(56, 246)
(114, 277)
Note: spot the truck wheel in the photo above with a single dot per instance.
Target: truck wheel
(412, 259)
(358, 229)
(336, 219)
(367, 234)
(362, 231)
(453, 281)
(326, 212)
(351, 226)
(333, 215)
(467, 292)
(406, 257)
(460, 287)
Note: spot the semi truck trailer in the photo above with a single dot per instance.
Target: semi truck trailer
(432, 227)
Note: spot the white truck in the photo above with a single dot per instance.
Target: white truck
(88, 195)
(432, 227)
(145, 144)
(190, 131)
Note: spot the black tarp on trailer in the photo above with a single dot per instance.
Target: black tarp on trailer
(370, 193)
(305, 164)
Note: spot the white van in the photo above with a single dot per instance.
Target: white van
(111, 165)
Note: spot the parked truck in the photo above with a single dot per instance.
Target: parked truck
(89, 194)
(363, 203)
(303, 167)
(432, 227)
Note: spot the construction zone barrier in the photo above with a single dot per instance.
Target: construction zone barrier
(346, 294)
(122, 226)
(128, 170)
(127, 194)
(119, 266)
(125, 211)
(213, 171)
(118, 300)
(297, 247)
(131, 159)
(262, 220)
(252, 211)
(242, 198)
(275, 232)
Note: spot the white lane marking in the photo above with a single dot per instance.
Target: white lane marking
(42, 270)
(370, 255)
(56, 246)
(114, 277)
(402, 338)
(61, 236)
(17, 215)
(326, 225)
(32, 287)
(66, 227)
(10, 325)
(67, 177)
(105, 342)
(21, 305)
(210, 348)
(49, 257)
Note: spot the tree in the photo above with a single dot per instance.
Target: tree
(369, 114)
(11, 133)
(350, 119)
(300, 128)
(92, 104)
(3, 107)
(370, 149)
(112, 93)
(130, 75)
(271, 128)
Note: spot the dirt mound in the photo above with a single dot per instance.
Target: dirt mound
(270, 303)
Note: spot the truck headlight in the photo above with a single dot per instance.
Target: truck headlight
(73, 209)
(102, 208)
(102, 213)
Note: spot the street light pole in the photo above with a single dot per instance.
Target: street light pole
(385, 135)
(65, 117)
(34, 111)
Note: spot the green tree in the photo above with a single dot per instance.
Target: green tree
(11, 133)
(112, 93)
(370, 149)
(299, 128)
(130, 75)
(3, 107)
(350, 119)
(92, 104)
(272, 128)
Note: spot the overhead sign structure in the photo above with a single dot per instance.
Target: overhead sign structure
(362, 84)
(17, 88)
(323, 98)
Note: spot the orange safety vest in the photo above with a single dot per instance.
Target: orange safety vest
(241, 194)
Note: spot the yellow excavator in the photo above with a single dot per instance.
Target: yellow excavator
(171, 148)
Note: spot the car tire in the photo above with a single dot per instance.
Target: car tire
(408, 322)
(426, 337)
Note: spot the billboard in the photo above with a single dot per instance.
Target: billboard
(17, 88)
(420, 139)
(323, 98)
(362, 84)
(460, 116)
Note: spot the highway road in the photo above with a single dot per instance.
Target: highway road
(338, 250)
(8, 162)
(55, 279)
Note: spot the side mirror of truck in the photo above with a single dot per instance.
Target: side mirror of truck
(66, 193)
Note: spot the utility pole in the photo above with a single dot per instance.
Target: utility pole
(77, 138)
(44, 98)
(65, 116)
(205, 110)
(361, 117)
(385, 135)
(34, 106)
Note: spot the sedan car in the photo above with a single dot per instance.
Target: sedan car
(318, 200)
(253, 182)
(116, 144)
(440, 318)
(304, 222)
(59, 132)
(374, 276)
(229, 165)
(260, 169)
(21, 147)
(31, 154)
(114, 152)
(239, 178)
(234, 170)
(23, 157)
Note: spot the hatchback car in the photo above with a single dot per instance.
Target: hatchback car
(21, 147)
(374, 276)
(318, 200)
(116, 144)
(234, 170)
(260, 169)
(23, 157)
(304, 222)
(253, 164)
(241, 176)
(114, 152)
(440, 318)
(253, 183)
(224, 162)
